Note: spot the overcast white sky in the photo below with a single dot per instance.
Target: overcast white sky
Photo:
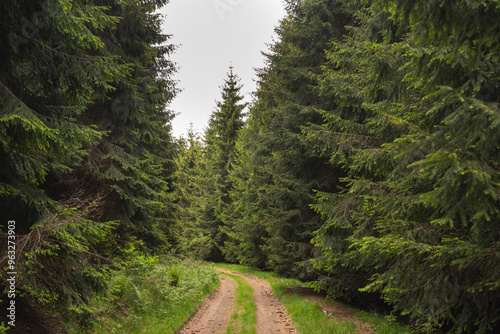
(211, 35)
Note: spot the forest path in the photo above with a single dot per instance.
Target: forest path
(216, 312)
(271, 315)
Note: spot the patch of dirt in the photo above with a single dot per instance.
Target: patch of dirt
(339, 311)
(272, 317)
(215, 313)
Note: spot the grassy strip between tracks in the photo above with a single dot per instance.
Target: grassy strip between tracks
(243, 321)
(310, 318)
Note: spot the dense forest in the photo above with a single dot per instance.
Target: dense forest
(368, 162)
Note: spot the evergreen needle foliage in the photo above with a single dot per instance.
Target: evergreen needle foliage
(416, 88)
(369, 162)
(86, 156)
(374, 135)
(204, 172)
(270, 224)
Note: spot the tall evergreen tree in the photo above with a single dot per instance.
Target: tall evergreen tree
(189, 175)
(135, 158)
(359, 76)
(48, 77)
(52, 66)
(85, 149)
(418, 213)
(277, 168)
(207, 209)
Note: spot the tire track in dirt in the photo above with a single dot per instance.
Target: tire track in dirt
(215, 313)
(272, 317)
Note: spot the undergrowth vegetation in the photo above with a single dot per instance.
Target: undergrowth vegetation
(152, 295)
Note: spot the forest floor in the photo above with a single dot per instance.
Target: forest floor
(214, 315)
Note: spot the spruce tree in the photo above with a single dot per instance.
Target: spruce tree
(207, 209)
(277, 168)
(52, 67)
(418, 213)
(85, 149)
(48, 77)
(189, 177)
(359, 76)
(135, 158)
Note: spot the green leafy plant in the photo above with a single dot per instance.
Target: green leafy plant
(3, 329)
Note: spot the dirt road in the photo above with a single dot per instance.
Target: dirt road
(214, 315)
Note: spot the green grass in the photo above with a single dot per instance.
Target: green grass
(241, 269)
(152, 296)
(384, 324)
(243, 321)
(308, 317)
(158, 296)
